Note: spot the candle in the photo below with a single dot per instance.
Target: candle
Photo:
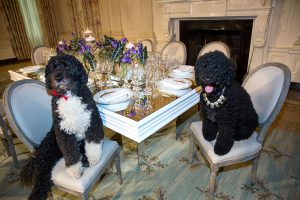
(90, 39)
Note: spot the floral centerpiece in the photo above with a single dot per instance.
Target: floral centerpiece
(118, 51)
(122, 51)
(124, 54)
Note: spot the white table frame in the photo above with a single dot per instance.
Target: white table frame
(140, 130)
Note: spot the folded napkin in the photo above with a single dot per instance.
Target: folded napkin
(175, 84)
(114, 96)
(184, 69)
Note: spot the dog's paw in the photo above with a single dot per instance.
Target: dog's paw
(209, 137)
(93, 152)
(222, 149)
(75, 170)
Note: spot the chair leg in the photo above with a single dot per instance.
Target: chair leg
(192, 148)
(254, 171)
(212, 182)
(12, 152)
(85, 196)
(50, 195)
(9, 140)
(118, 167)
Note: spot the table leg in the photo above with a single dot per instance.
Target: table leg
(179, 127)
(138, 167)
(131, 149)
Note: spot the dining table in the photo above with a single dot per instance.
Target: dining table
(165, 108)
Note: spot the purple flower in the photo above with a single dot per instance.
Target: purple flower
(85, 49)
(114, 43)
(124, 40)
(126, 59)
(62, 47)
(134, 51)
(73, 34)
(81, 42)
(82, 49)
(140, 50)
(132, 113)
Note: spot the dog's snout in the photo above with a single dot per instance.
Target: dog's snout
(58, 76)
(207, 80)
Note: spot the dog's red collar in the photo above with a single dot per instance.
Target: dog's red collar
(54, 93)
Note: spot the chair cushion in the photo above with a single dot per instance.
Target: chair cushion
(240, 149)
(61, 178)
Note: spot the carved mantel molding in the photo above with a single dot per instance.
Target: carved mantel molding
(171, 11)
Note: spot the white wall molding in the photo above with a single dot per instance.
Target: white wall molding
(259, 10)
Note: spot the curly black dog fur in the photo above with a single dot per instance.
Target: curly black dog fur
(80, 146)
(236, 118)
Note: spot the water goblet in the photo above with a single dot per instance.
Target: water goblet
(148, 77)
(108, 69)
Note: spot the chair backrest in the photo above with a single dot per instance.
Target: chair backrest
(212, 46)
(28, 110)
(148, 43)
(37, 57)
(267, 86)
(176, 53)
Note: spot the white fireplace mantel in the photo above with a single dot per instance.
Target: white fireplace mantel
(172, 11)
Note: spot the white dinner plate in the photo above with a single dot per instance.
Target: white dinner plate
(175, 83)
(183, 68)
(115, 107)
(177, 93)
(113, 96)
(30, 69)
(182, 75)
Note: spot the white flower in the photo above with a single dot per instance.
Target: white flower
(129, 45)
(60, 42)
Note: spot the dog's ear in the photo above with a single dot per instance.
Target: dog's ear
(84, 78)
(78, 70)
(230, 75)
(47, 75)
(82, 73)
(197, 71)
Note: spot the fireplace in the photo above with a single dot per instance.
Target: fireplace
(235, 33)
(169, 13)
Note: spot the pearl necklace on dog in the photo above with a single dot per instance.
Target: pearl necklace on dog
(217, 103)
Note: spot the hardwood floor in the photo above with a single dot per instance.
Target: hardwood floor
(4, 75)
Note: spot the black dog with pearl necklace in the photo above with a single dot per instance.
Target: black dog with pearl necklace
(226, 108)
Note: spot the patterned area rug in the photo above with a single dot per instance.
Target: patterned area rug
(167, 174)
(289, 117)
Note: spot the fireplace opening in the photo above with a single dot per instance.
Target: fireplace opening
(195, 34)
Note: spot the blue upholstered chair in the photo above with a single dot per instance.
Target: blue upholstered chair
(176, 53)
(213, 46)
(28, 109)
(267, 86)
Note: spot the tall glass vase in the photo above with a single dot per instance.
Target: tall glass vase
(126, 74)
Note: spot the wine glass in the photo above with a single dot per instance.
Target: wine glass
(148, 77)
(108, 67)
(147, 108)
(165, 66)
(99, 77)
